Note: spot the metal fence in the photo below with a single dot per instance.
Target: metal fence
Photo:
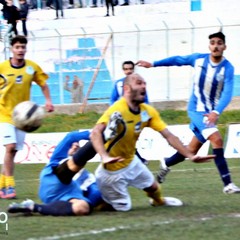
(73, 50)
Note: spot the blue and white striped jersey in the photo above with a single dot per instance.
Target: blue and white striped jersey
(212, 83)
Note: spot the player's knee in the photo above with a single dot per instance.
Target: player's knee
(125, 208)
(80, 208)
(216, 140)
(218, 143)
(122, 206)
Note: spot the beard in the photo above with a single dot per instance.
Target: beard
(136, 97)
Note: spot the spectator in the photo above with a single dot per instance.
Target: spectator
(59, 7)
(33, 4)
(109, 2)
(70, 4)
(76, 89)
(11, 15)
(23, 15)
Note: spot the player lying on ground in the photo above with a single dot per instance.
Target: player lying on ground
(78, 197)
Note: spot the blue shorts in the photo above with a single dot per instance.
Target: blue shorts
(51, 189)
(197, 125)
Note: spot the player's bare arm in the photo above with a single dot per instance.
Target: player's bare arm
(145, 64)
(177, 144)
(49, 106)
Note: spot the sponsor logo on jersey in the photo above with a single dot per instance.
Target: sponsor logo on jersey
(19, 79)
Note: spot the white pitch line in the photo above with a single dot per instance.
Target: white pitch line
(196, 169)
(172, 170)
(113, 229)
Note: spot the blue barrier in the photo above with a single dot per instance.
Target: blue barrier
(196, 5)
(236, 89)
(86, 59)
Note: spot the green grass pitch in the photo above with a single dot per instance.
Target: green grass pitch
(207, 213)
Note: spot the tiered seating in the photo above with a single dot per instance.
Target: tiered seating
(82, 62)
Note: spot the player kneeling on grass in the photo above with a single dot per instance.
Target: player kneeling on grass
(78, 197)
(120, 167)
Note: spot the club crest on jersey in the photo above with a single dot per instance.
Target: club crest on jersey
(19, 79)
(29, 70)
(144, 116)
(219, 77)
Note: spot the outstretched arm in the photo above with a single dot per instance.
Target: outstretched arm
(142, 63)
(177, 144)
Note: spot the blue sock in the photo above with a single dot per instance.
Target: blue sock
(58, 208)
(222, 166)
(174, 159)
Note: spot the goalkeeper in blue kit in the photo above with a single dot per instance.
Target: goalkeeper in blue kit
(211, 93)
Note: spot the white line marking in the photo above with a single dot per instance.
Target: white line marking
(172, 170)
(113, 229)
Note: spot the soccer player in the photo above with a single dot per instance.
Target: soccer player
(16, 77)
(117, 91)
(75, 199)
(212, 92)
(120, 166)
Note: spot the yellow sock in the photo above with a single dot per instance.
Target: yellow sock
(9, 181)
(156, 196)
(2, 181)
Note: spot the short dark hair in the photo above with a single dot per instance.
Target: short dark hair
(19, 38)
(218, 35)
(128, 62)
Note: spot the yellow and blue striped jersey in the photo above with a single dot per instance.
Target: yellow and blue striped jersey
(15, 85)
(127, 133)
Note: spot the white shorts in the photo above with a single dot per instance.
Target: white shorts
(114, 184)
(10, 134)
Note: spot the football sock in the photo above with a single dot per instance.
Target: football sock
(174, 159)
(58, 208)
(84, 154)
(2, 181)
(63, 173)
(80, 158)
(221, 164)
(156, 196)
(9, 181)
